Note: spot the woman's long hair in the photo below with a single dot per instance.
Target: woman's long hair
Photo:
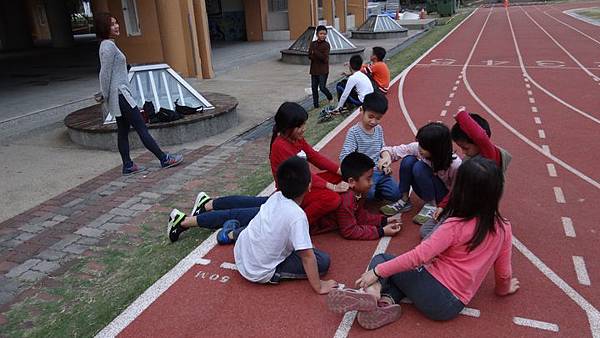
(290, 115)
(435, 138)
(476, 194)
(102, 23)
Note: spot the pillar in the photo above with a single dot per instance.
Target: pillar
(301, 14)
(59, 23)
(328, 11)
(175, 35)
(359, 9)
(204, 47)
(341, 12)
(255, 12)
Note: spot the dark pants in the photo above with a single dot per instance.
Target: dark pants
(352, 98)
(132, 117)
(319, 82)
(419, 175)
(240, 208)
(428, 295)
(292, 268)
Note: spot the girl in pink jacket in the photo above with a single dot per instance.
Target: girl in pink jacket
(441, 274)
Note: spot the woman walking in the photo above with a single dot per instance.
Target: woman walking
(118, 99)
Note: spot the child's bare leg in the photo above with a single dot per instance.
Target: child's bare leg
(188, 222)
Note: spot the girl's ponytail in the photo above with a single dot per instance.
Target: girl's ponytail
(273, 137)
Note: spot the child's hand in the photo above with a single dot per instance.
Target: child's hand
(367, 279)
(392, 229)
(327, 286)
(436, 214)
(397, 218)
(387, 170)
(384, 161)
(514, 286)
(341, 187)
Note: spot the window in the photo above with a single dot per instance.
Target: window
(130, 13)
(278, 5)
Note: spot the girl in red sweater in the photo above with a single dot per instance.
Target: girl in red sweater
(442, 274)
(287, 141)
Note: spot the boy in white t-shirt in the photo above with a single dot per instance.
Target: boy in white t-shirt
(276, 245)
(356, 87)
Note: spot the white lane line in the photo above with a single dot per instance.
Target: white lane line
(454, 88)
(534, 109)
(558, 194)
(451, 95)
(467, 311)
(508, 126)
(528, 77)
(573, 28)
(529, 92)
(531, 100)
(444, 112)
(592, 75)
(460, 76)
(527, 85)
(447, 104)
(541, 133)
(551, 169)
(457, 82)
(568, 226)
(546, 149)
(229, 266)
(535, 324)
(581, 271)
(203, 261)
(537, 120)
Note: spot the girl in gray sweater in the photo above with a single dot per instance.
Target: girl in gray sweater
(118, 100)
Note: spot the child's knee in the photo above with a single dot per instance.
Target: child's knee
(421, 169)
(408, 162)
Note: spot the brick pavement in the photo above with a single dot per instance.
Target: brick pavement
(44, 240)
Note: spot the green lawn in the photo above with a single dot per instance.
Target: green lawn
(592, 13)
(96, 289)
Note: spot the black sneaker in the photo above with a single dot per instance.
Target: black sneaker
(201, 199)
(174, 229)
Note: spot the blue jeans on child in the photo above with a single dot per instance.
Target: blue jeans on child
(419, 175)
(240, 208)
(292, 268)
(384, 187)
(428, 295)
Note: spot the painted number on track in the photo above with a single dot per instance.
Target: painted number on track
(443, 62)
(494, 62)
(213, 277)
(550, 63)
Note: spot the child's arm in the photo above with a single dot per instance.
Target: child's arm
(349, 85)
(477, 134)
(350, 144)
(309, 262)
(321, 56)
(350, 225)
(318, 160)
(396, 153)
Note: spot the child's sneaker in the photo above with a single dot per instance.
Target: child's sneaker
(394, 208)
(228, 227)
(201, 199)
(171, 160)
(344, 300)
(174, 229)
(382, 315)
(132, 169)
(425, 214)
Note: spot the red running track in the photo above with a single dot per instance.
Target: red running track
(210, 300)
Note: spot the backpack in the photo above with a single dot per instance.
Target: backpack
(168, 115)
(185, 110)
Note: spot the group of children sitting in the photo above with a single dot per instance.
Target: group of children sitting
(464, 234)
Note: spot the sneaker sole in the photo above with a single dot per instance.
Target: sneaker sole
(173, 164)
(379, 317)
(199, 198)
(135, 172)
(342, 301)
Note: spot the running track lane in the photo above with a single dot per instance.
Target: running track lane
(521, 203)
(557, 12)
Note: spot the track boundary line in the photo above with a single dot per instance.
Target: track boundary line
(566, 24)
(540, 87)
(592, 313)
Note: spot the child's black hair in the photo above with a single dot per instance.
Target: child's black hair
(293, 177)
(435, 138)
(355, 164)
(376, 103)
(476, 194)
(290, 115)
(459, 135)
(321, 28)
(379, 52)
(356, 62)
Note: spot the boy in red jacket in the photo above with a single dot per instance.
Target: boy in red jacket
(351, 218)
